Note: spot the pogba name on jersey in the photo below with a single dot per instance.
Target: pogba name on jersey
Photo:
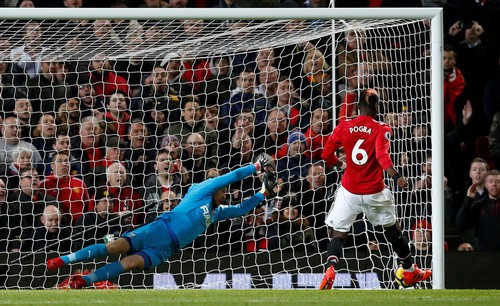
(360, 129)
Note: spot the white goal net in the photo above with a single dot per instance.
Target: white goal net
(136, 111)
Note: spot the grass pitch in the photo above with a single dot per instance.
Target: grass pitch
(250, 297)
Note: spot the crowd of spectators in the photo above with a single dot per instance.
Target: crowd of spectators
(92, 148)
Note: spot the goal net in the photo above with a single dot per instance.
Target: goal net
(106, 124)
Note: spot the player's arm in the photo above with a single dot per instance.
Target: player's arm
(222, 181)
(382, 145)
(328, 154)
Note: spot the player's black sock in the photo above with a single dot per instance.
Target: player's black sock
(400, 245)
(334, 251)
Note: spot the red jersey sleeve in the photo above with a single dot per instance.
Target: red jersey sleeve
(331, 146)
(382, 144)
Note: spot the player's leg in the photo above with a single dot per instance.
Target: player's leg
(111, 270)
(408, 273)
(98, 250)
(381, 211)
(340, 219)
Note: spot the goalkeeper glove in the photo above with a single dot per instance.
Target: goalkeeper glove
(263, 160)
(268, 185)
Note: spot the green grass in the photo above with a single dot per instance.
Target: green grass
(251, 297)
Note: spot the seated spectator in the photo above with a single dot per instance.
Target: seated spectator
(156, 122)
(195, 158)
(23, 111)
(465, 247)
(276, 133)
(69, 191)
(30, 199)
(290, 102)
(99, 225)
(482, 214)
(127, 200)
(68, 117)
(292, 167)
(167, 177)
(105, 81)
(421, 237)
(218, 86)
(22, 158)
(90, 103)
(44, 134)
(192, 122)
(88, 148)
(268, 83)
(169, 201)
(45, 90)
(140, 153)
(10, 223)
(317, 133)
(50, 234)
(245, 98)
(27, 56)
(315, 71)
(117, 116)
(294, 229)
(9, 141)
(454, 87)
(172, 145)
(62, 143)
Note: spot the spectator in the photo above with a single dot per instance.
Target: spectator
(117, 116)
(218, 86)
(168, 176)
(68, 117)
(50, 234)
(315, 71)
(21, 158)
(23, 111)
(169, 200)
(90, 103)
(477, 58)
(276, 133)
(317, 133)
(88, 148)
(115, 149)
(62, 143)
(28, 56)
(140, 154)
(156, 122)
(127, 200)
(293, 167)
(45, 91)
(268, 84)
(9, 141)
(244, 124)
(69, 191)
(245, 98)
(175, 82)
(454, 87)
(294, 229)
(465, 247)
(315, 201)
(44, 134)
(196, 158)
(421, 237)
(104, 81)
(494, 139)
(100, 225)
(483, 214)
(213, 121)
(172, 145)
(192, 122)
(290, 102)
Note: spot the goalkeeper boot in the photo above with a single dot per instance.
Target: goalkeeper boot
(77, 282)
(410, 278)
(54, 263)
(328, 279)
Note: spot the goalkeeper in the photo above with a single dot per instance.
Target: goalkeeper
(152, 244)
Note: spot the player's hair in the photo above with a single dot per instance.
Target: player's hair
(372, 100)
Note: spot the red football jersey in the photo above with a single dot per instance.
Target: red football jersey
(366, 145)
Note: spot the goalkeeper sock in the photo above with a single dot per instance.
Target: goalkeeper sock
(90, 252)
(109, 271)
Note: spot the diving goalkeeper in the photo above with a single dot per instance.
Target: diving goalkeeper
(152, 244)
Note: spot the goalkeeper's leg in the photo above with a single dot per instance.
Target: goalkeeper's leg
(139, 260)
(98, 250)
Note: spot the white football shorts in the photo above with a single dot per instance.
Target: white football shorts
(378, 209)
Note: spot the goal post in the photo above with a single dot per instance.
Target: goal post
(236, 33)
